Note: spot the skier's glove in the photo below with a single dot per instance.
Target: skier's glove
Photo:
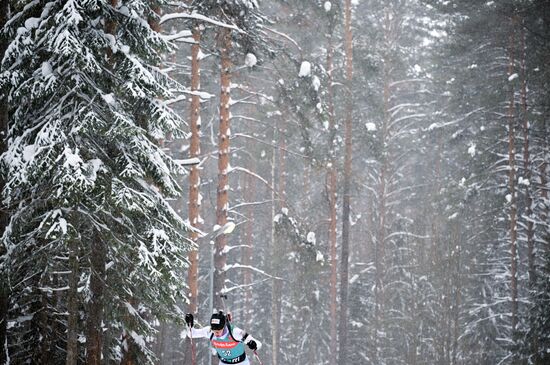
(189, 319)
(252, 345)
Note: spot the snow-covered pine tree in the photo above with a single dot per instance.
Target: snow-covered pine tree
(83, 170)
(4, 11)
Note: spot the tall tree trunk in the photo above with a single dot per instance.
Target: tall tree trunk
(527, 162)
(224, 46)
(194, 178)
(331, 190)
(512, 186)
(347, 187)
(46, 350)
(128, 344)
(4, 218)
(277, 248)
(529, 216)
(4, 300)
(72, 306)
(97, 257)
(455, 232)
(94, 337)
(282, 165)
(544, 183)
(275, 288)
(380, 249)
(247, 252)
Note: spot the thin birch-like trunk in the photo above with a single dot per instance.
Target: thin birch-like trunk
(380, 249)
(512, 185)
(247, 252)
(279, 248)
(275, 260)
(527, 162)
(348, 126)
(331, 190)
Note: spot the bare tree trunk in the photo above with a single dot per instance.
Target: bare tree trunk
(546, 209)
(161, 342)
(4, 218)
(527, 162)
(4, 300)
(72, 306)
(224, 45)
(282, 165)
(344, 275)
(128, 343)
(278, 248)
(529, 216)
(331, 191)
(94, 338)
(380, 249)
(512, 187)
(276, 287)
(194, 178)
(247, 252)
(458, 292)
(46, 351)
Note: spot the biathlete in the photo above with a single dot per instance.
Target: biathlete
(226, 339)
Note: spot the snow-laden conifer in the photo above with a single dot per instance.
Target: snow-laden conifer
(83, 170)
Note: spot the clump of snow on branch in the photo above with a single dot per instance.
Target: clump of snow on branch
(305, 69)
(250, 60)
(472, 150)
(316, 83)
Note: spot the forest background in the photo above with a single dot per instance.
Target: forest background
(368, 178)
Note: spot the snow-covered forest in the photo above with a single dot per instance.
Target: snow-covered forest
(357, 181)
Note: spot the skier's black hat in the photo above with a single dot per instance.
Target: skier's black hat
(217, 321)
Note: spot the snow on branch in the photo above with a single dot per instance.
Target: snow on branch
(202, 94)
(242, 169)
(455, 121)
(228, 248)
(247, 204)
(396, 83)
(200, 17)
(408, 234)
(242, 286)
(187, 162)
(239, 266)
(183, 36)
(285, 36)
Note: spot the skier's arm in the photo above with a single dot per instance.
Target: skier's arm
(203, 332)
(241, 335)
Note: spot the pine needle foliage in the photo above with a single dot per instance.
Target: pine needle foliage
(83, 165)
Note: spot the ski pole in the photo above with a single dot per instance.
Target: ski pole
(224, 297)
(257, 357)
(227, 314)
